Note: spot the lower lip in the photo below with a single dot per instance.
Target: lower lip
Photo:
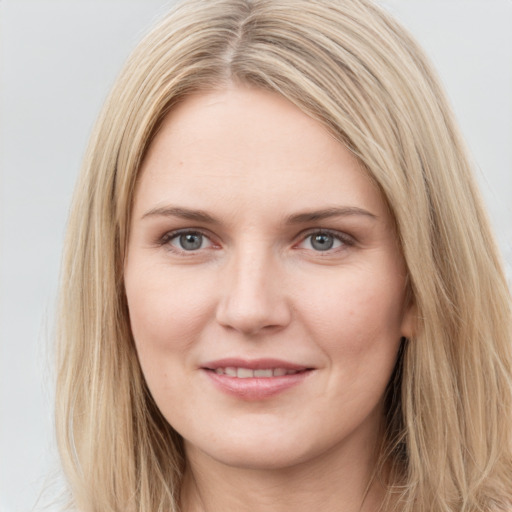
(256, 388)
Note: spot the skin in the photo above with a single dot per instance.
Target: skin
(258, 287)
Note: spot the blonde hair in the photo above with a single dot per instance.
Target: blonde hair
(349, 65)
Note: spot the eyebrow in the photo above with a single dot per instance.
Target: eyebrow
(299, 218)
(183, 213)
(327, 213)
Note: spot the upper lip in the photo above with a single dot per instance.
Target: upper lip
(253, 364)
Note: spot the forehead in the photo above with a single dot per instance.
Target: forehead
(249, 147)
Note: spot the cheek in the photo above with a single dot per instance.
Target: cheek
(167, 315)
(166, 312)
(357, 315)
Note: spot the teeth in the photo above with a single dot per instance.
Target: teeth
(263, 373)
(244, 373)
(247, 373)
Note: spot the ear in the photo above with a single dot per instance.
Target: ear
(409, 317)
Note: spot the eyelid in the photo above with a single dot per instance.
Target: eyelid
(164, 240)
(346, 239)
(168, 236)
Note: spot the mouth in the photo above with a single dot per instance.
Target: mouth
(254, 368)
(248, 373)
(256, 379)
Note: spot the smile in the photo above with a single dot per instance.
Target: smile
(248, 373)
(257, 379)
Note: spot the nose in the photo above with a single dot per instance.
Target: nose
(253, 296)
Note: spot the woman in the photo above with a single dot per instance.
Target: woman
(280, 289)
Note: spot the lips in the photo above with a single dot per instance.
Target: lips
(255, 379)
(248, 373)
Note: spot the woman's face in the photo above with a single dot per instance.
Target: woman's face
(264, 283)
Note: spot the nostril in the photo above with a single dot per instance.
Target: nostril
(253, 298)
(252, 321)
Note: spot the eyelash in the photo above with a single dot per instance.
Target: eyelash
(171, 235)
(345, 239)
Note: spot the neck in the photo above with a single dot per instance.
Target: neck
(331, 483)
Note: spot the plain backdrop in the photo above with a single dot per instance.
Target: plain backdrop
(58, 60)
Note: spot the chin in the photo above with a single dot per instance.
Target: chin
(264, 450)
(267, 458)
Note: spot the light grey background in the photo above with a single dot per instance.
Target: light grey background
(58, 59)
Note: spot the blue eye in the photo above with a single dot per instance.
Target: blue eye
(322, 241)
(189, 241)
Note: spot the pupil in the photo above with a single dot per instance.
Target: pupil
(322, 242)
(191, 241)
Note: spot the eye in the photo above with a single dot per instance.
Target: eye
(188, 241)
(323, 241)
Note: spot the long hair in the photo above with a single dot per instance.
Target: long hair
(349, 65)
